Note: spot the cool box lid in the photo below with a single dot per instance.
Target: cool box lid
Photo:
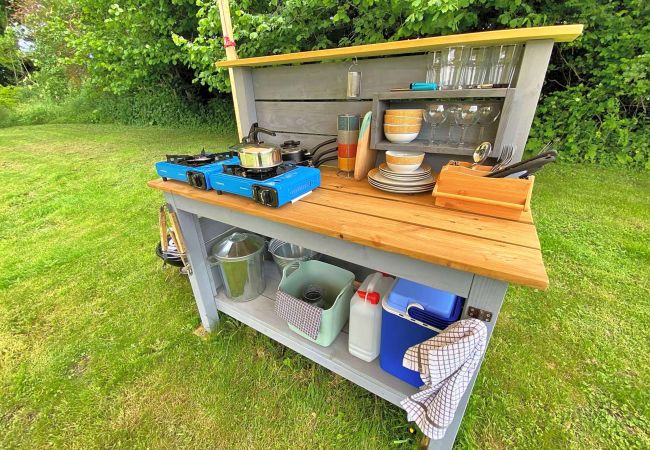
(440, 304)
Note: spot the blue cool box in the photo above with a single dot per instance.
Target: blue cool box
(409, 314)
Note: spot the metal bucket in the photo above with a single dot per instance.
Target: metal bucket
(240, 257)
(284, 253)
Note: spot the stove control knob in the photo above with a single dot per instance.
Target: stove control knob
(265, 197)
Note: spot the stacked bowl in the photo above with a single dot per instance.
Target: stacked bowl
(402, 126)
(402, 173)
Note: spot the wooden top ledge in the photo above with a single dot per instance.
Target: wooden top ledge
(557, 33)
(405, 224)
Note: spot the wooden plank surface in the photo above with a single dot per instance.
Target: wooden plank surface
(333, 182)
(465, 248)
(509, 232)
(557, 33)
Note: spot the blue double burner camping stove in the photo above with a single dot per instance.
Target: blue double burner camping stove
(272, 187)
(194, 169)
(222, 172)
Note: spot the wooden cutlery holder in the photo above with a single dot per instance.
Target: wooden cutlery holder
(468, 168)
(465, 189)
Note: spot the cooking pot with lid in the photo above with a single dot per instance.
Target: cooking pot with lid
(255, 154)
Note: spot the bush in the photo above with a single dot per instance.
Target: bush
(163, 107)
(9, 96)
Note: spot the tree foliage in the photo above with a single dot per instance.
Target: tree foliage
(595, 98)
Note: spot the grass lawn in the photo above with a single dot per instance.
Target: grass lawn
(97, 349)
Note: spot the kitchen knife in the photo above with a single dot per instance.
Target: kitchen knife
(529, 166)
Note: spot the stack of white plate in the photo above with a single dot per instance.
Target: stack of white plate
(414, 182)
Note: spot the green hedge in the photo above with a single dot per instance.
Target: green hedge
(161, 107)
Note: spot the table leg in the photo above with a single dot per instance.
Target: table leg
(199, 271)
(486, 294)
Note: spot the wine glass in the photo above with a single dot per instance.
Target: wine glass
(465, 116)
(434, 115)
(452, 110)
(487, 114)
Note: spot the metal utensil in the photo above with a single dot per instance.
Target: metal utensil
(481, 153)
(285, 253)
(504, 159)
(529, 166)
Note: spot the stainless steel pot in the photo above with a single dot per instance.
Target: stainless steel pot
(240, 257)
(255, 154)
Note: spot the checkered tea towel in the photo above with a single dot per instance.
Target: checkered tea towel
(298, 313)
(446, 363)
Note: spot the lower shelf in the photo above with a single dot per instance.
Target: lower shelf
(259, 314)
(422, 145)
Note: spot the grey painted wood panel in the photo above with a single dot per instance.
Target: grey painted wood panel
(329, 80)
(446, 94)
(306, 117)
(203, 284)
(306, 140)
(519, 108)
(244, 98)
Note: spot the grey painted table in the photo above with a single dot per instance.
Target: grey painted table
(472, 256)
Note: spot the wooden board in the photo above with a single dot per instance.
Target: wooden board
(556, 33)
(366, 156)
(333, 182)
(476, 245)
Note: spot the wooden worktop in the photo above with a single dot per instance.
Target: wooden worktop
(405, 224)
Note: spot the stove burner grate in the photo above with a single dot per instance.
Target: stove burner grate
(257, 174)
(199, 160)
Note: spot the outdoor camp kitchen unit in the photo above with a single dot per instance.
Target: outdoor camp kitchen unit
(470, 255)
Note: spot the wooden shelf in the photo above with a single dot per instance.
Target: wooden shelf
(260, 315)
(557, 33)
(422, 145)
(450, 93)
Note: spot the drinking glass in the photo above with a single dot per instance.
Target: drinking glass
(487, 114)
(465, 116)
(504, 63)
(451, 112)
(474, 70)
(434, 115)
(434, 64)
(452, 64)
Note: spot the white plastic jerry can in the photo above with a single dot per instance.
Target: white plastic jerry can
(364, 335)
